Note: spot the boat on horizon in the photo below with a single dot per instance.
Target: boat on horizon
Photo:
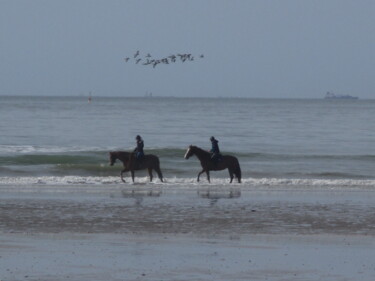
(332, 96)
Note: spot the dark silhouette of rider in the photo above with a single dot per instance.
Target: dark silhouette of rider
(215, 151)
(139, 154)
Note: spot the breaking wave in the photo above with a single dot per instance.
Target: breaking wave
(88, 162)
(54, 154)
(190, 182)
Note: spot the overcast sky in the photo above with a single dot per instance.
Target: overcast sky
(260, 48)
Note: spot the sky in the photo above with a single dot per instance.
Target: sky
(251, 48)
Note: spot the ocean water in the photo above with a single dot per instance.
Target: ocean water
(279, 142)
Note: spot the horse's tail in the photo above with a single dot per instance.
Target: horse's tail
(237, 171)
(157, 169)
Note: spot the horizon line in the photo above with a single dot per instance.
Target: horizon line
(156, 96)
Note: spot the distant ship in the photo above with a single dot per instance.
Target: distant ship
(332, 96)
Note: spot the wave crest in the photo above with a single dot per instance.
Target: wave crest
(186, 182)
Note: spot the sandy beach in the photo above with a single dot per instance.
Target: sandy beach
(155, 233)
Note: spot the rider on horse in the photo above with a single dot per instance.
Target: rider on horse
(215, 151)
(139, 154)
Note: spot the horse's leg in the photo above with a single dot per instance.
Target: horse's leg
(208, 175)
(230, 175)
(199, 174)
(238, 175)
(150, 173)
(160, 175)
(132, 173)
(123, 171)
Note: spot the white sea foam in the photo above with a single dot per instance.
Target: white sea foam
(190, 182)
(310, 182)
(29, 149)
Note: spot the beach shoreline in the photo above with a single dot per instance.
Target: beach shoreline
(148, 232)
(71, 256)
(204, 210)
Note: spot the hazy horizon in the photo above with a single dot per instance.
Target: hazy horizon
(252, 49)
(93, 97)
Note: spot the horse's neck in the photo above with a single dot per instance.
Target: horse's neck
(201, 154)
(123, 156)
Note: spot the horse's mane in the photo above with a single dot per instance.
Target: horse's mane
(120, 152)
(200, 149)
(122, 155)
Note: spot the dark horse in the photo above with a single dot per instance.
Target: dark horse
(150, 162)
(227, 162)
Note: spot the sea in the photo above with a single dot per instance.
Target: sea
(280, 143)
(307, 174)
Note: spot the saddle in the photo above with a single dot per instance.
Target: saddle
(138, 160)
(216, 158)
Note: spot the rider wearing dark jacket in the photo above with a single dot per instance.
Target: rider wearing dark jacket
(215, 151)
(139, 149)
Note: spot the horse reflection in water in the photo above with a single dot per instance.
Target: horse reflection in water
(215, 194)
(227, 162)
(149, 162)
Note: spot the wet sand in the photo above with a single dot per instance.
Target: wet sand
(138, 233)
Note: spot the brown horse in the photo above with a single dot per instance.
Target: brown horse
(227, 162)
(150, 162)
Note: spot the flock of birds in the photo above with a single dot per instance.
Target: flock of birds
(148, 60)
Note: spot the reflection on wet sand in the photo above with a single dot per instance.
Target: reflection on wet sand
(206, 211)
(140, 194)
(215, 194)
(219, 194)
(150, 192)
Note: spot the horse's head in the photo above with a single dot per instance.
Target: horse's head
(189, 152)
(112, 158)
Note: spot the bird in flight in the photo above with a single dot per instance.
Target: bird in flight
(164, 60)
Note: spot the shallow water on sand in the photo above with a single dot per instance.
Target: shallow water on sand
(155, 232)
(150, 233)
(114, 257)
(204, 211)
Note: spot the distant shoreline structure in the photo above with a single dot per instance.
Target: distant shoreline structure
(332, 96)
